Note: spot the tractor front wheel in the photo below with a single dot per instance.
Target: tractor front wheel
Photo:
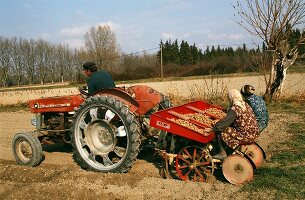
(27, 149)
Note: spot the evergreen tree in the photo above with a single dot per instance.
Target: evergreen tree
(185, 53)
(195, 54)
(175, 52)
(167, 51)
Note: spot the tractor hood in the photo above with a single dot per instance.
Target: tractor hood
(56, 104)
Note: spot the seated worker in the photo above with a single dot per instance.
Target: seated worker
(257, 104)
(238, 127)
(97, 79)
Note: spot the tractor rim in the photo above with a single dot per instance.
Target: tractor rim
(97, 140)
(24, 151)
(100, 137)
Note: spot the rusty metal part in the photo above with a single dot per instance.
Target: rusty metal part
(194, 164)
(254, 152)
(237, 169)
(167, 167)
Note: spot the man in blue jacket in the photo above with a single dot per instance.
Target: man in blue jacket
(97, 79)
(257, 104)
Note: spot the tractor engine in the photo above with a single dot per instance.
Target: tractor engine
(53, 119)
(53, 127)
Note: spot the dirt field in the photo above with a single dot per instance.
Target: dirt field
(58, 177)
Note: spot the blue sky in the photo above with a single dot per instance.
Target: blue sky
(138, 24)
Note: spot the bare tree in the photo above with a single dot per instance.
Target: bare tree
(30, 59)
(273, 21)
(4, 61)
(18, 59)
(43, 59)
(63, 60)
(100, 43)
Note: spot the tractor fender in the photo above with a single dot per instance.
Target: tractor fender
(121, 95)
(146, 97)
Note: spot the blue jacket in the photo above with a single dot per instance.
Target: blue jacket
(259, 108)
(99, 80)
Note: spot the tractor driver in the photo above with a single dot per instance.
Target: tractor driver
(97, 79)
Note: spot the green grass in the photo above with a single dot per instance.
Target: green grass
(284, 173)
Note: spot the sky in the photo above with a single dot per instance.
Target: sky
(138, 24)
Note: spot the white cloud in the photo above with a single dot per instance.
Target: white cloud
(79, 31)
(225, 36)
(74, 43)
(168, 36)
(114, 27)
(74, 36)
(76, 31)
(45, 36)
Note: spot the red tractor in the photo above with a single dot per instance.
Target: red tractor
(105, 129)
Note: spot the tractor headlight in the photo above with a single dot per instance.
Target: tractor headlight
(34, 121)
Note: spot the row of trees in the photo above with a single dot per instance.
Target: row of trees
(28, 61)
(24, 61)
(180, 54)
(185, 54)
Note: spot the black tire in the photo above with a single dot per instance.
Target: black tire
(165, 104)
(102, 143)
(151, 131)
(27, 149)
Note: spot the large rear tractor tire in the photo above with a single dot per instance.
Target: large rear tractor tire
(27, 149)
(105, 135)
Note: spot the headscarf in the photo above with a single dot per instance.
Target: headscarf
(236, 98)
(247, 90)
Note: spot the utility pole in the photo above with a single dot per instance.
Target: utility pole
(161, 59)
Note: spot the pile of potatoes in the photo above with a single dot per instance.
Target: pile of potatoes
(210, 117)
(219, 114)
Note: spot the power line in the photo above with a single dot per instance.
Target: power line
(130, 54)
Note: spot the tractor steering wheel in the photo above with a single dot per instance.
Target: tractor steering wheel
(83, 91)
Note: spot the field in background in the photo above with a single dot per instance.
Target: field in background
(203, 87)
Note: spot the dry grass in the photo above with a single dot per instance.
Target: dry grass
(22, 96)
(213, 88)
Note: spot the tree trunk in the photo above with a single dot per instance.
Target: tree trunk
(278, 73)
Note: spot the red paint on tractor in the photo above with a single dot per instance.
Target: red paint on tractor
(146, 97)
(162, 120)
(56, 104)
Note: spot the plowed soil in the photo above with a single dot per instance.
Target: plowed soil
(58, 177)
